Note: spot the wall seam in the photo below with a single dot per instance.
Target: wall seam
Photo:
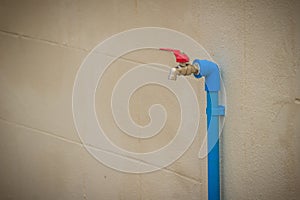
(47, 133)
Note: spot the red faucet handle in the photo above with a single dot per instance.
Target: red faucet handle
(180, 57)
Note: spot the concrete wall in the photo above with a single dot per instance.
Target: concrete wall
(42, 45)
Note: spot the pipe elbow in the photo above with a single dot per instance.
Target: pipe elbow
(210, 71)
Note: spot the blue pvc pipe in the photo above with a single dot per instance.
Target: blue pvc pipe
(213, 147)
(210, 71)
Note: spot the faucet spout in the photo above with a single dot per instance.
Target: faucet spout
(173, 74)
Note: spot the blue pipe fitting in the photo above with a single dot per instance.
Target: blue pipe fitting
(217, 111)
(210, 71)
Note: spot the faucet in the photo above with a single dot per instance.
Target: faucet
(184, 67)
(210, 71)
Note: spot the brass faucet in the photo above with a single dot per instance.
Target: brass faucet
(184, 69)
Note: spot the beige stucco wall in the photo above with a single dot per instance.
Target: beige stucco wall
(43, 43)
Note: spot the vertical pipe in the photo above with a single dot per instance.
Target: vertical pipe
(210, 71)
(213, 146)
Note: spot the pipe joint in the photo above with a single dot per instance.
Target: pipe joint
(210, 71)
(216, 111)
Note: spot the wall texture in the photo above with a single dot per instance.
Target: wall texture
(42, 45)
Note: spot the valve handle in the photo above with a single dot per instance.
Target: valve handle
(180, 57)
